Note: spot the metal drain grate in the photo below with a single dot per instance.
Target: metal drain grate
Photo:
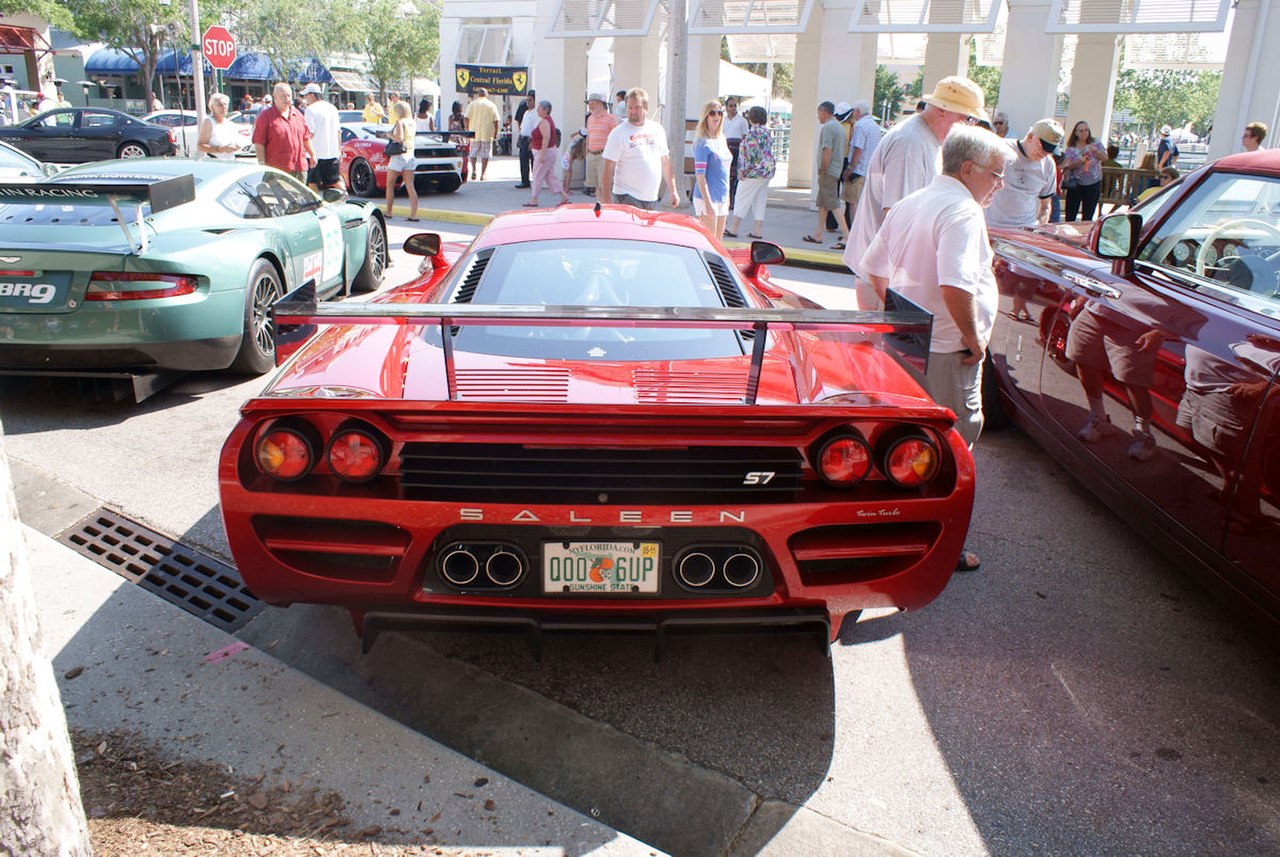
(196, 582)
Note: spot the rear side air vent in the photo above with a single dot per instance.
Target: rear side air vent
(467, 290)
(728, 288)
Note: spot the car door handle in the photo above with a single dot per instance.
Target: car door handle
(1094, 287)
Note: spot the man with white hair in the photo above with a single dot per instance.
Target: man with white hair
(281, 137)
(905, 161)
(862, 145)
(933, 249)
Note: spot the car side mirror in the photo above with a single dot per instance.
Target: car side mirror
(1116, 238)
(332, 195)
(764, 253)
(423, 244)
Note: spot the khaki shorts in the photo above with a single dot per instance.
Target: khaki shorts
(595, 167)
(828, 198)
(851, 190)
(1101, 344)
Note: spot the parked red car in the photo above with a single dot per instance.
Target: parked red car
(441, 164)
(596, 418)
(1143, 351)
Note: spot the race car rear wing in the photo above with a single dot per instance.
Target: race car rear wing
(905, 327)
(162, 193)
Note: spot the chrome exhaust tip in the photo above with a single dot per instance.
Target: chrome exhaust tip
(504, 568)
(696, 570)
(741, 570)
(460, 567)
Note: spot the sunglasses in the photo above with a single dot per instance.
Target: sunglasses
(715, 112)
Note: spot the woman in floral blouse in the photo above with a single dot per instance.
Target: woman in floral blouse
(1082, 172)
(756, 167)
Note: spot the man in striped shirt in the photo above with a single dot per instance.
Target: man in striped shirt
(599, 123)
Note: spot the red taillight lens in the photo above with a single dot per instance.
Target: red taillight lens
(355, 456)
(122, 286)
(284, 454)
(911, 461)
(844, 461)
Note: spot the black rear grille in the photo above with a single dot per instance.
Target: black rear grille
(512, 473)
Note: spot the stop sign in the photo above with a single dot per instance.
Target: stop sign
(218, 47)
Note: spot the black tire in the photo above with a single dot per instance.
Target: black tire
(369, 277)
(132, 149)
(257, 352)
(361, 178)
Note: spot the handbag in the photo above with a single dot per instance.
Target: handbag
(394, 147)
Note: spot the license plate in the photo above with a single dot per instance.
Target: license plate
(38, 293)
(606, 567)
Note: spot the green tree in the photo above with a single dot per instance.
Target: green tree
(400, 38)
(1156, 97)
(285, 30)
(783, 72)
(52, 11)
(143, 29)
(889, 93)
(986, 76)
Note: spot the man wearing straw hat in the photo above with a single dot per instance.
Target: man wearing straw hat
(907, 159)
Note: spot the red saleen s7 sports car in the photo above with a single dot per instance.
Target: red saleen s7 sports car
(595, 418)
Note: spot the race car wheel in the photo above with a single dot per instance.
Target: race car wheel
(362, 181)
(258, 346)
(132, 150)
(369, 277)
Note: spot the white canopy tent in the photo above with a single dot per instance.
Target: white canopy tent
(742, 83)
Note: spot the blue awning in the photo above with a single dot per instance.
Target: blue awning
(110, 61)
(251, 67)
(166, 64)
(312, 71)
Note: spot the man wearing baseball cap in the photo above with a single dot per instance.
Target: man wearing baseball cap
(599, 123)
(907, 159)
(1030, 179)
(326, 138)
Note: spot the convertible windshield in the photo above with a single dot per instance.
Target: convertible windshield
(594, 272)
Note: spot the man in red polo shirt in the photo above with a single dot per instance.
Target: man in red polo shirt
(280, 135)
(599, 123)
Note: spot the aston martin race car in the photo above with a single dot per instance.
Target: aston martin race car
(595, 418)
(162, 265)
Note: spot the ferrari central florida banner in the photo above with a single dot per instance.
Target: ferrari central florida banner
(498, 79)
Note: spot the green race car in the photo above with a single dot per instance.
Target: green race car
(162, 266)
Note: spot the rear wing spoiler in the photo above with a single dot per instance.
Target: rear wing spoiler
(162, 194)
(904, 327)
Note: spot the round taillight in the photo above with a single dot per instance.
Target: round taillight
(911, 461)
(284, 454)
(355, 455)
(844, 461)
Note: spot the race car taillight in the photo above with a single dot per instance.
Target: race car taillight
(355, 455)
(285, 454)
(910, 461)
(137, 286)
(844, 460)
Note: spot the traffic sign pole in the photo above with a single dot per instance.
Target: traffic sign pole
(197, 65)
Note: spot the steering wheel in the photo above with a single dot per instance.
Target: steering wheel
(1202, 254)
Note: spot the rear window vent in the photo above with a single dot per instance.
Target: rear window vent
(467, 290)
(728, 288)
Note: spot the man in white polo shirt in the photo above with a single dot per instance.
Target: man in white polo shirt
(933, 249)
(326, 138)
(636, 160)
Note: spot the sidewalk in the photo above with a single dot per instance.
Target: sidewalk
(128, 662)
(788, 216)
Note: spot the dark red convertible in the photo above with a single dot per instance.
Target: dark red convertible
(1144, 350)
(595, 418)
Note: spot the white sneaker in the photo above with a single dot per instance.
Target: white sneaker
(1143, 447)
(1094, 429)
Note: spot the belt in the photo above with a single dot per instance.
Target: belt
(595, 151)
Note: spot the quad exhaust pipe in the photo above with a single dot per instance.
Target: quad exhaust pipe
(503, 566)
(718, 568)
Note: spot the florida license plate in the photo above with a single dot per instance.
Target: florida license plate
(606, 567)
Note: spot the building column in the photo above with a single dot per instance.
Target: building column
(1250, 92)
(1030, 94)
(449, 34)
(945, 54)
(702, 82)
(1093, 82)
(834, 65)
(636, 63)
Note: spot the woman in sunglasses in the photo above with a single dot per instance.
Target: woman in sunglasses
(711, 161)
